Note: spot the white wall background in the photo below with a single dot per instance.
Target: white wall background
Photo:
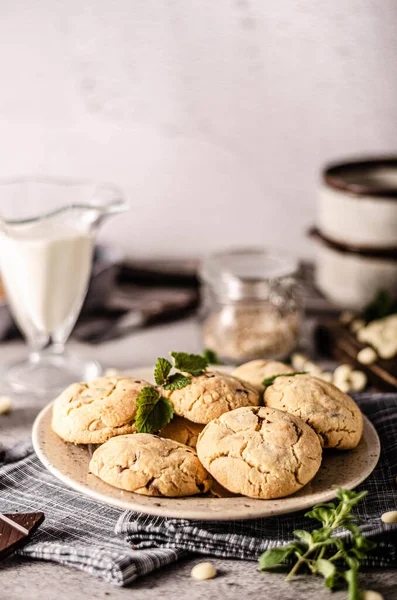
(214, 115)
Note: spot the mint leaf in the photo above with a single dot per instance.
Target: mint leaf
(153, 411)
(327, 570)
(189, 363)
(177, 382)
(269, 380)
(162, 370)
(352, 561)
(349, 496)
(353, 527)
(162, 376)
(274, 557)
(325, 567)
(303, 535)
(211, 357)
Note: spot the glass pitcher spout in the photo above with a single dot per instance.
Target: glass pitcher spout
(28, 202)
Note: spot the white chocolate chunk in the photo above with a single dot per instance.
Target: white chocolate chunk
(367, 356)
(389, 517)
(358, 381)
(346, 317)
(204, 570)
(326, 376)
(370, 595)
(312, 368)
(356, 325)
(298, 361)
(344, 386)
(342, 373)
(5, 405)
(362, 335)
(387, 350)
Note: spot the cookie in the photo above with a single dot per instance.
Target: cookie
(93, 412)
(183, 431)
(149, 465)
(255, 371)
(334, 416)
(210, 395)
(260, 452)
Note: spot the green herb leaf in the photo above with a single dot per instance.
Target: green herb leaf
(162, 370)
(189, 363)
(274, 557)
(211, 357)
(353, 527)
(352, 561)
(350, 496)
(327, 570)
(303, 535)
(177, 381)
(362, 543)
(321, 513)
(269, 380)
(153, 411)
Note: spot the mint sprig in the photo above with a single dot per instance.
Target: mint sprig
(269, 380)
(153, 411)
(194, 364)
(320, 552)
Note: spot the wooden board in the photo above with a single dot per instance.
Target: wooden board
(336, 340)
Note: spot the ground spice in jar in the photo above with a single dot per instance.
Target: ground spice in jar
(252, 305)
(242, 332)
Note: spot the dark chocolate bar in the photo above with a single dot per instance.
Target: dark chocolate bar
(11, 538)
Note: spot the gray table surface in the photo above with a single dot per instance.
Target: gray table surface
(30, 580)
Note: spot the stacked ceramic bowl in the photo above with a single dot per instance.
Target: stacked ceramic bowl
(357, 231)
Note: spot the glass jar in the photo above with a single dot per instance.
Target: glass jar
(251, 304)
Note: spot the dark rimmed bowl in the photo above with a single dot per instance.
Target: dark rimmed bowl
(357, 203)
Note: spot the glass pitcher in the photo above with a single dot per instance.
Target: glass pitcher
(47, 237)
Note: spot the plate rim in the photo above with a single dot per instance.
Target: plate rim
(161, 511)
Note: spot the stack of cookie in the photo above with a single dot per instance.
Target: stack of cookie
(227, 431)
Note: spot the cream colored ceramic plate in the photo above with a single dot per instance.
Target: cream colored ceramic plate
(69, 463)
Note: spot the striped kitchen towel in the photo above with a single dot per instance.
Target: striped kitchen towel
(121, 546)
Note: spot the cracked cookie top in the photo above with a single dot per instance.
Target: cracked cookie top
(150, 465)
(183, 431)
(210, 395)
(255, 371)
(334, 416)
(260, 452)
(93, 412)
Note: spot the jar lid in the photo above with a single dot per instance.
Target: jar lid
(246, 272)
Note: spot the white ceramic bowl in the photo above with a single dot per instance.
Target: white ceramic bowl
(358, 203)
(350, 277)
